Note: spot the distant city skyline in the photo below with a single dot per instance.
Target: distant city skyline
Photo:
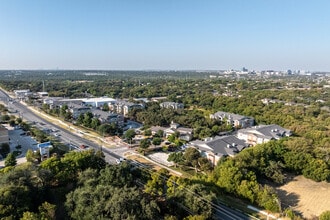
(165, 35)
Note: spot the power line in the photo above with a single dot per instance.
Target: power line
(213, 205)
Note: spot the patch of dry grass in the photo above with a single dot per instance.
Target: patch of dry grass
(305, 196)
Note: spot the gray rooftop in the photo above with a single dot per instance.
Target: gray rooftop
(103, 114)
(271, 131)
(224, 145)
(230, 115)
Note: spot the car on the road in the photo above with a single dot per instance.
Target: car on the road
(83, 146)
(118, 161)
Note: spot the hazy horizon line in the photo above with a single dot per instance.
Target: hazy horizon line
(158, 70)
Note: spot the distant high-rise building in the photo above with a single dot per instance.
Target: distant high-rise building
(289, 72)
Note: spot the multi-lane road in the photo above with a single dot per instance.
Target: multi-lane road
(70, 136)
(73, 137)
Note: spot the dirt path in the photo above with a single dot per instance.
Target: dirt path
(305, 196)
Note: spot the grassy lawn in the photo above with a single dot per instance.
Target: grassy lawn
(186, 172)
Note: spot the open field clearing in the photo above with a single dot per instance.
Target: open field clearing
(305, 196)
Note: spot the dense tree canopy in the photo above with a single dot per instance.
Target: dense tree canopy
(298, 103)
(110, 197)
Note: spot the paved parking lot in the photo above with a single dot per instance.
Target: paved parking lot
(19, 137)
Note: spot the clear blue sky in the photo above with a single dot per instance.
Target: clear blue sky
(165, 34)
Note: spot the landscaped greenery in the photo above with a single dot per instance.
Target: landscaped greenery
(300, 104)
(81, 184)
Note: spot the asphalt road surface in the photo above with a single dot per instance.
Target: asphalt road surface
(64, 135)
(222, 212)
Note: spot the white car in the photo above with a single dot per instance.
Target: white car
(118, 161)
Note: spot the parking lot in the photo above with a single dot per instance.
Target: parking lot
(17, 137)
